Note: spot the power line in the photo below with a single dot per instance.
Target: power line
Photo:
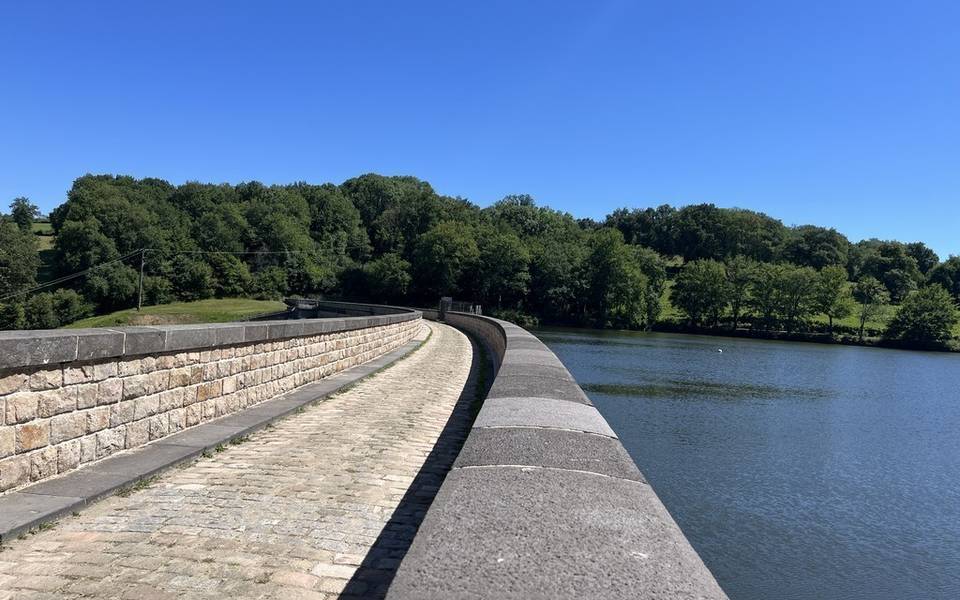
(143, 251)
(68, 277)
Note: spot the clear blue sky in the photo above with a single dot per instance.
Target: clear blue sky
(844, 114)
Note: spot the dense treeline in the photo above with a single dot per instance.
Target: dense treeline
(394, 239)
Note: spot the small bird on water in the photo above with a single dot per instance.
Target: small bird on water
(719, 349)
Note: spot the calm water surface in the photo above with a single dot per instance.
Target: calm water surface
(797, 471)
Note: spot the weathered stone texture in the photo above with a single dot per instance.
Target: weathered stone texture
(58, 417)
(306, 509)
(31, 436)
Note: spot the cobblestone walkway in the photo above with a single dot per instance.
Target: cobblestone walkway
(322, 504)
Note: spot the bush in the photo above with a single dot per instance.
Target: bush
(927, 316)
(270, 283)
(192, 279)
(70, 306)
(40, 312)
(12, 316)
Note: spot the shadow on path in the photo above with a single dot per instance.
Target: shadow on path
(374, 576)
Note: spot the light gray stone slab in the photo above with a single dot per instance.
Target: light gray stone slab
(513, 367)
(554, 448)
(542, 412)
(143, 340)
(93, 344)
(189, 337)
(510, 386)
(515, 534)
(31, 348)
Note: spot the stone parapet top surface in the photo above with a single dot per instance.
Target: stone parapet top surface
(543, 500)
(34, 348)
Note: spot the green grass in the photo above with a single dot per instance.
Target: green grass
(879, 322)
(44, 233)
(669, 312)
(218, 310)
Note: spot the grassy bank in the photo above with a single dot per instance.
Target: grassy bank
(219, 310)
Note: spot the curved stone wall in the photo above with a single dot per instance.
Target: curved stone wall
(72, 397)
(543, 500)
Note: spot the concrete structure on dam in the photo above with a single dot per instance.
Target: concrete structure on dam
(399, 488)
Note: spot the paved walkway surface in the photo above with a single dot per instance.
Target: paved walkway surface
(323, 504)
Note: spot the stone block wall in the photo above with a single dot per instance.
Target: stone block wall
(58, 416)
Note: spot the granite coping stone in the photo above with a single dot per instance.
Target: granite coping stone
(516, 534)
(554, 448)
(542, 412)
(543, 500)
(512, 367)
(513, 386)
(34, 348)
(51, 499)
(532, 357)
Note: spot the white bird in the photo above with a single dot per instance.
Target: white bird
(719, 349)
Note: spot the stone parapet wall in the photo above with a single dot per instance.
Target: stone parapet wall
(543, 500)
(58, 413)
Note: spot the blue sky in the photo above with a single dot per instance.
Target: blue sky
(844, 114)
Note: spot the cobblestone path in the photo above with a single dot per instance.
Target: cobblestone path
(323, 504)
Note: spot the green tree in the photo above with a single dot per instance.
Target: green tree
(615, 284)
(387, 278)
(40, 312)
(654, 268)
(503, 269)
(442, 256)
(192, 279)
(741, 272)
(927, 316)
(18, 259)
(701, 291)
(112, 287)
(556, 279)
(70, 306)
(798, 288)
(871, 295)
(270, 283)
(816, 247)
(12, 316)
(766, 295)
(947, 275)
(231, 276)
(832, 294)
(891, 264)
(925, 257)
(23, 213)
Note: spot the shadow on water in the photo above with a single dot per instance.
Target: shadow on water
(373, 577)
(701, 389)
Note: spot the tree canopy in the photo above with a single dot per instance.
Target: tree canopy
(395, 239)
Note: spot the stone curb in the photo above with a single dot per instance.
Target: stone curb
(52, 499)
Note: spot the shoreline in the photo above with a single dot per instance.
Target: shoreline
(780, 336)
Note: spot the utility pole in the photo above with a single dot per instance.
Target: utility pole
(143, 252)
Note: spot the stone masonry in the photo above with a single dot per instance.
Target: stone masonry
(321, 504)
(56, 418)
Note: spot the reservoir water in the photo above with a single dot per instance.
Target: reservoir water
(797, 471)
